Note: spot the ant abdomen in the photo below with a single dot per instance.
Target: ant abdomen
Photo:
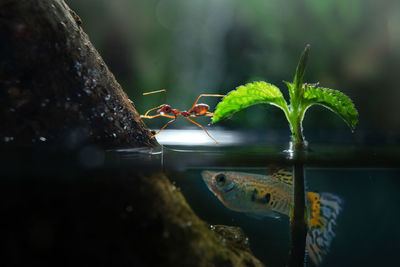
(200, 109)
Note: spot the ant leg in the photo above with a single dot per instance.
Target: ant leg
(210, 114)
(197, 100)
(147, 112)
(207, 114)
(171, 121)
(154, 116)
(203, 130)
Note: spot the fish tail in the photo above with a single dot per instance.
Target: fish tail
(323, 211)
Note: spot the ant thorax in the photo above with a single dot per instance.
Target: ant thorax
(185, 114)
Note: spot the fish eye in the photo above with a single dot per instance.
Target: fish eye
(220, 179)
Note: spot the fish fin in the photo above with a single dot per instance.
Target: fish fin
(323, 211)
(262, 215)
(284, 176)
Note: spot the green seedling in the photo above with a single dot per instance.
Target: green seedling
(302, 96)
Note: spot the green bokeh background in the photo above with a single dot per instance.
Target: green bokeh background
(191, 47)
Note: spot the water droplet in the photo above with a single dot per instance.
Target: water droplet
(107, 97)
(43, 139)
(110, 118)
(78, 94)
(114, 135)
(42, 104)
(68, 99)
(78, 67)
(12, 109)
(189, 223)
(87, 90)
(102, 114)
(212, 227)
(125, 127)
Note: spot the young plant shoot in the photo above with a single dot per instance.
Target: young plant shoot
(302, 96)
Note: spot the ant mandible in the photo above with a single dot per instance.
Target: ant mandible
(197, 110)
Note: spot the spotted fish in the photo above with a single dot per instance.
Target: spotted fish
(272, 196)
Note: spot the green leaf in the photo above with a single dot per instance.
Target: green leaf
(290, 87)
(334, 100)
(247, 95)
(300, 70)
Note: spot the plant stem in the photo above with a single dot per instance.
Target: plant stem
(298, 223)
(295, 121)
(296, 115)
(298, 139)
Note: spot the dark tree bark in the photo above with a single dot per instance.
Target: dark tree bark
(55, 88)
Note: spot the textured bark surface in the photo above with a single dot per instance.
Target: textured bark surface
(55, 88)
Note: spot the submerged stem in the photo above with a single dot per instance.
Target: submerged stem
(298, 222)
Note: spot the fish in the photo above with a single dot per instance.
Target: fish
(272, 196)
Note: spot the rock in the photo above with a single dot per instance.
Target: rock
(233, 236)
(55, 88)
(182, 238)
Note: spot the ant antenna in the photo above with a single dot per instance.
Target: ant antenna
(159, 91)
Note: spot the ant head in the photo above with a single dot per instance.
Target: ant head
(165, 109)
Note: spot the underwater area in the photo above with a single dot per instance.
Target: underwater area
(83, 209)
(363, 191)
(366, 180)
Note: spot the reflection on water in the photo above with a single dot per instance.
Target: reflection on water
(198, 137)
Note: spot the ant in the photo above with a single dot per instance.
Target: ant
(197, 110)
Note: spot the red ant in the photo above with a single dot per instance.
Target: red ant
(197, 110)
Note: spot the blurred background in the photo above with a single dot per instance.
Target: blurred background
(192, 47)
